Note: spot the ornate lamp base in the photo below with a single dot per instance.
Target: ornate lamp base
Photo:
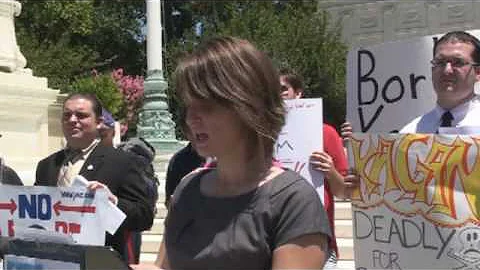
(154, 120)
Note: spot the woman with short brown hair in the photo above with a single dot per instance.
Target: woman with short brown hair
(245, 213)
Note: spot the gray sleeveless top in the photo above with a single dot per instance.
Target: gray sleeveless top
(240, 232)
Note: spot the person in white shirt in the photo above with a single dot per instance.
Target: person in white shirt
(455, 70)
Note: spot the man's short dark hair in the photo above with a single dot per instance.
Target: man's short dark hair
(460, 36)
(292, 78)
(96, 104)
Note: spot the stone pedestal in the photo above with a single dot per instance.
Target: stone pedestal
(29, 122)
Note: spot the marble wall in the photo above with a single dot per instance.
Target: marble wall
(368, 22)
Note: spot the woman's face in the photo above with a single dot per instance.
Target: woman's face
(216, 130)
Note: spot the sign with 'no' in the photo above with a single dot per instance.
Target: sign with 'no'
(76, 211)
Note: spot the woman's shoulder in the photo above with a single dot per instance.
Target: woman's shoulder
(295, 208)
(289, 182)
(190, 183)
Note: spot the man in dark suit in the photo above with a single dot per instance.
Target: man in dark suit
(104, 166)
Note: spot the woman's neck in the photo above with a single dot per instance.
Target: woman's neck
(239, 174)
(243, 170)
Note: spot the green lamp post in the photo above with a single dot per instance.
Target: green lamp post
(154, 120)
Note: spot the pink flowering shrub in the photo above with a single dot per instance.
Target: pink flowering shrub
(132, 90)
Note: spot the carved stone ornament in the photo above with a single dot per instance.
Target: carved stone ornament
(11, 59)
(156, 124)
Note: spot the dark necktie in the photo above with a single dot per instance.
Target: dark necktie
(446, 119)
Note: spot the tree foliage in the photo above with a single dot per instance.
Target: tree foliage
(105, 88)
(64, 40)
(294, 33)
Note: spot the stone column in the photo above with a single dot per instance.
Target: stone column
(155, 122)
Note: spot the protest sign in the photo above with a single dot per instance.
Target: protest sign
(389, 84)
(75, 211)
(417, 206)
(302, 135)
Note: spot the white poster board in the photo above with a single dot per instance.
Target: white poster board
(389, 84)
(417, 206)
(302, 135)
(75, 211)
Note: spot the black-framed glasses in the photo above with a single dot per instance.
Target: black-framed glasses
(454, 62)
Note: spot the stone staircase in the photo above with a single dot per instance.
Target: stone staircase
(344, 234)
(343, 227)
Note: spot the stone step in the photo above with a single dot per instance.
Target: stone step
(160, 163)
(343, 210)
(341, 264)
(148, 257)
(157, 227)
(345, 265)
(343, 228)
(345, 248)
(151, 244)
(161, 212)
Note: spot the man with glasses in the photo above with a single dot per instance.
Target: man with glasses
(455, 70)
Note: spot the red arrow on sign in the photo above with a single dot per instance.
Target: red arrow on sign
(58, 206)
(12, 206)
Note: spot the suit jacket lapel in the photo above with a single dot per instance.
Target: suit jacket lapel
(93, 163)
(54, 170)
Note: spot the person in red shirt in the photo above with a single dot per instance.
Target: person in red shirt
(331, 161)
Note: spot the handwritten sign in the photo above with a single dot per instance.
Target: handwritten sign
(302, 135)
(389, 84)
(73, 211)
(417, 206)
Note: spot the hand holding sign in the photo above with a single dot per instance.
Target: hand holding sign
(352, 181)
(346, 131)
(94, 185)
(323, 162)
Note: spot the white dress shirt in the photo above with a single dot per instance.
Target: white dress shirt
(73, 163)
(464, 115)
